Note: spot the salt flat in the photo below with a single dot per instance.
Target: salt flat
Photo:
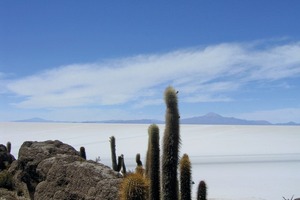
(237, 162)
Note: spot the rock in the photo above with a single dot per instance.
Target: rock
(54, 170)
(30, 155)
(71, 177)
(10, 195)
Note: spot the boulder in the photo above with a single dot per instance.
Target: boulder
(54, 170)
(30, 155)
(71, 177)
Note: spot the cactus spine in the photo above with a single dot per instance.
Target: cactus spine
(185, 178)
(171, 144)
(201, 193)
(153, 163)
(82, 153)
(134, 187)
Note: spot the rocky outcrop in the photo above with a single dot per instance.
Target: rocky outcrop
(54, 170)
(67, 177)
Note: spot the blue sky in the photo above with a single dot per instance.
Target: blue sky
(98, 60)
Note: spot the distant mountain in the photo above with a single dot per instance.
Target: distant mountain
(138, 121)
(213, 118)
(210, 119)
(36, 119)
(289, 124)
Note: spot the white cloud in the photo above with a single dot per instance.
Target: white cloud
(206, 74)
(149, 102)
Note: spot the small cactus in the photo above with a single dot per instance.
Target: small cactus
(8, 147)
(185, 178)
(134, 187)
(120, 163)
(82, 153)
(202, 191)
(113, 153)
(138, 160)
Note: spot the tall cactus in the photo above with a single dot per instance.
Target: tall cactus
(202, 191)
(112, 141)
(154, 161)
(171, 144)
(134, 187)
(185, 178)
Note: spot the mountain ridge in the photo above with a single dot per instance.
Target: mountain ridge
(210, 118)
(214, 119)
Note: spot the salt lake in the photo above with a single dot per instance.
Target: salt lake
(237, 162)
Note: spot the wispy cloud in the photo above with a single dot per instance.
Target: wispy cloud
(201, 74)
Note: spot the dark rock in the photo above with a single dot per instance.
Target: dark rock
(5, 158)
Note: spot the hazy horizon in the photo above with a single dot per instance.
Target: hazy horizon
(161, 120)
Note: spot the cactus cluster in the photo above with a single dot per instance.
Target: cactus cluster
(152, 182)
(117, 166)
